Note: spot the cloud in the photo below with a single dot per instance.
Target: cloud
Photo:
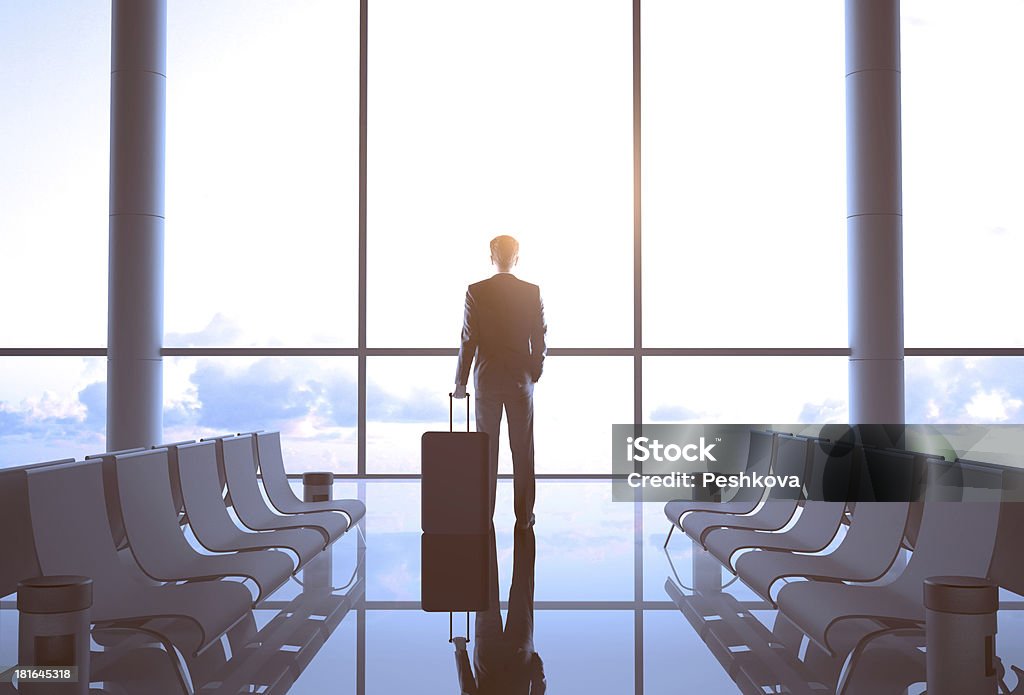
(312, 395)
(994, 406)
(831, 411)
(260, 396)
(273, 393)
(421, 405)
(94, 398)
(965, 390)
(673, 413)
(321, 397)
(48, 427)
(52, 417)
(219, 332)
(12, 422)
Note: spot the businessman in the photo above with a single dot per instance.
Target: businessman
(503, 330)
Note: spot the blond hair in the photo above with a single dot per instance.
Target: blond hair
(504, 250)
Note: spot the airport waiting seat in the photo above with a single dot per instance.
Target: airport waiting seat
(872, 540)
(72, 535)
(209, 518)
(237, 455)
(19, 559)
(819, 520)
(156, 539)
(792, 457)
(1007, 568)
(955, 538)
(110, 485)
(172, 471)
(279, 491)
(746, 499)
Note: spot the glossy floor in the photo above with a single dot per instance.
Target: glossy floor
(604, 616)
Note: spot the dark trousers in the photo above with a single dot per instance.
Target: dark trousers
(518, 406)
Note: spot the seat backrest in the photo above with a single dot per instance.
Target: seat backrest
(270, 455)
(271, 463)
(172, 470)
(113, 498)
(218, 443)
(955, 537)
(982, 482)
(792, 457)
(268, 448)
(239, 461)
(70, 527)
(830, 472)
(147, 505)
(19, 556)
(875, 535)
(943, 482)
(760, 448)
(884, 475)
(759, 455)
(893, 475)
(877, 528)
(1007, 567)
(199, 478)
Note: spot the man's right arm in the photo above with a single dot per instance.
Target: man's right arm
(468, 345)
(538, 346)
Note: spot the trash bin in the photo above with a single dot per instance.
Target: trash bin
(317, 487)
(960, 626)
(53, 635)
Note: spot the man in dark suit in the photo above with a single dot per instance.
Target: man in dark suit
(503, 330)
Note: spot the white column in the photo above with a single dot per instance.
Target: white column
(138, 82)
(874, 223)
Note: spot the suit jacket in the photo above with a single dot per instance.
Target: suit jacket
(503, 329)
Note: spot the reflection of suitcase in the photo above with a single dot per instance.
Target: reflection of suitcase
(455, 572)
(456, 480)
(458, 574)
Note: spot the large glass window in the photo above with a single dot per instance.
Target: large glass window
(51, 408)
(963, 225)
(311, 401)
(490, 119)
(575, 403)
(752, 389)
(744, 215)
(262, 172)
(504, 124)
(965, 390)
(667, 634)
(54, 154)
(406, 396)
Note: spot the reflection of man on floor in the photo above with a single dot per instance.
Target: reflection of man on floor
(505, 661)
(503, 330)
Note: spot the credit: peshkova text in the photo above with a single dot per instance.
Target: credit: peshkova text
(707, 479)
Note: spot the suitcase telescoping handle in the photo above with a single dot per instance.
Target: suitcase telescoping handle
(451, 627)
(451, 412)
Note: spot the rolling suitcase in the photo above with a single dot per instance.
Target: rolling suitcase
(456, 480)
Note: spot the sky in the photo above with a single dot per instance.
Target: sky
(483, 120)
